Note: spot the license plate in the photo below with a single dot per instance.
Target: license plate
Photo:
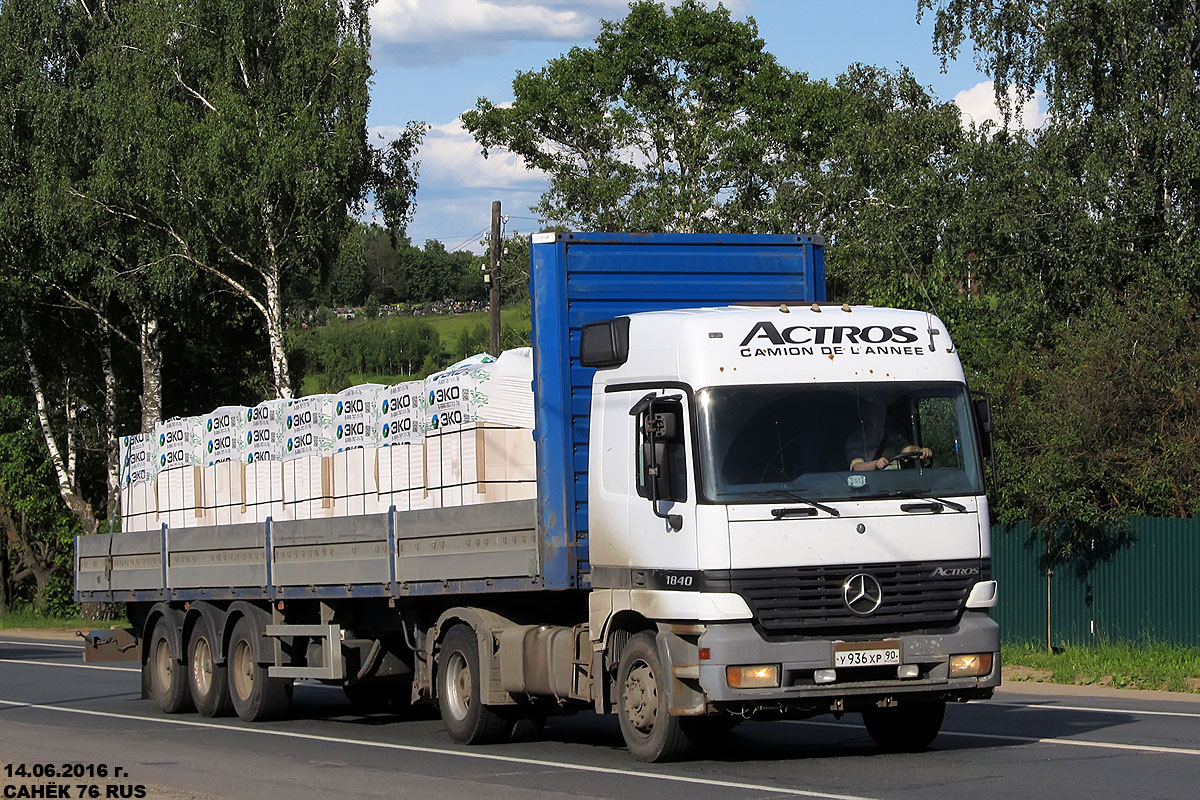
(866, 654)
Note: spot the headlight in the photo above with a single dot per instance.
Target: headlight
(761, 676)
(972, 665)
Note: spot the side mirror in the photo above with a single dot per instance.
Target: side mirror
(661, 434)
(982, 406)
(604, 344)
(983, 423)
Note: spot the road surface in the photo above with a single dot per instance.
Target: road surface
(1030, 741)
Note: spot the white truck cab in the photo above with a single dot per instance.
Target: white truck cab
(795, 495)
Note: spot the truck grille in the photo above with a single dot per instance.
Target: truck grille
(789, 601)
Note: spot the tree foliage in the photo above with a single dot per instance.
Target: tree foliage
(642, 132)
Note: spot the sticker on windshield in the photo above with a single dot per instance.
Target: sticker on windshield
(856, 481)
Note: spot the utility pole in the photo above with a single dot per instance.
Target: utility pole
(494, 295)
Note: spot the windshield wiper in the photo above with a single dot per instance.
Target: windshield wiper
(948, 503)
(784, 493)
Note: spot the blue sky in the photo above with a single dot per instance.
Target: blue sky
(433, 58)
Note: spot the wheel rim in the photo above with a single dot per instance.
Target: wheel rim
(162, 663)
(243, 670)
(641, 697)
(202, 666)
(458, 685)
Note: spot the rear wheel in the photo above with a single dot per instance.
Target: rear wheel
(466, 718)
(208, 680)
(650, 732)
(905, 728)
(256, 696)
(167, 678)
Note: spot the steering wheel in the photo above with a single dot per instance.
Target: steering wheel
(911, 455)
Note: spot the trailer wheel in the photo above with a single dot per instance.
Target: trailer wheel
(168, 680)
(208, 680)
(905, 728)
(255, 695)
(467, 719)
(650, 732)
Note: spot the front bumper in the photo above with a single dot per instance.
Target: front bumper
(737, 644)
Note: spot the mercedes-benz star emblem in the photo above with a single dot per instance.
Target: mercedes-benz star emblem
(862, 593)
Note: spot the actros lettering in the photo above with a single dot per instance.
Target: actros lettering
(830, 334)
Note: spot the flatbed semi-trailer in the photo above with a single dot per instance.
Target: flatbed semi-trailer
(701, 548)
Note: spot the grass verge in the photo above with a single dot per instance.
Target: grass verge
(1125, 666)
(451, 326)
(29, 618)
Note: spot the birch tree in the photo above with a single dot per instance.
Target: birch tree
(244, 126)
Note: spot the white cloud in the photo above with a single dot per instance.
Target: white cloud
(450, 157)
(977, 105)
(444, 31)
(422, 32)
(457, 184)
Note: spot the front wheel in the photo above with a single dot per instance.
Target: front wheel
(467, 719)
(649, 730)
(906, 728)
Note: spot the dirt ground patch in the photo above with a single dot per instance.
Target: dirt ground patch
(1018, 673)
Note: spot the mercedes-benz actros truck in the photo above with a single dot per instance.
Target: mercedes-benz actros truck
(746, 503)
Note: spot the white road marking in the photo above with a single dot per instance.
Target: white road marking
(1143, 748)
(67, 664)
(534, 762)
(1090, 709)
(41, 644)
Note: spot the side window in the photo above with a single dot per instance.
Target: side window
(669, 452)
(938, 430)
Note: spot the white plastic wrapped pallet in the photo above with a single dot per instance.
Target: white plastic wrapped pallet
(180, 486)
(261, 453)
(356, 433)
(307, 443)
(139, 466)
(472, 454)
(400, 456)
(223, 471)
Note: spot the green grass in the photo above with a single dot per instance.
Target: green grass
(451, 326)
(1126, 666)
(29, 618)
(312, 382)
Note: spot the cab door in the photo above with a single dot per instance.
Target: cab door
(662, 509)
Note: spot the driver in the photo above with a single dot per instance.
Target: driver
(876, 442)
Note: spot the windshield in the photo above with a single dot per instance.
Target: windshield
(837, 442)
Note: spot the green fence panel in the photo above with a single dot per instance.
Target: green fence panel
(1141, 592)
(1145, 591)
(1021, 599)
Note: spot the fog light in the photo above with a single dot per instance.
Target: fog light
(972, 665)
(825, 676)
(908, 672)
(762, 676)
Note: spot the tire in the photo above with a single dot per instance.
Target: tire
(371, 697)
(467, 719)
(168, 680)
(650, 732)
(905, 728)
(256, 696)
(207, 680)
(525, 726)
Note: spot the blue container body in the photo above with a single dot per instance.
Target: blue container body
(580, 278)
